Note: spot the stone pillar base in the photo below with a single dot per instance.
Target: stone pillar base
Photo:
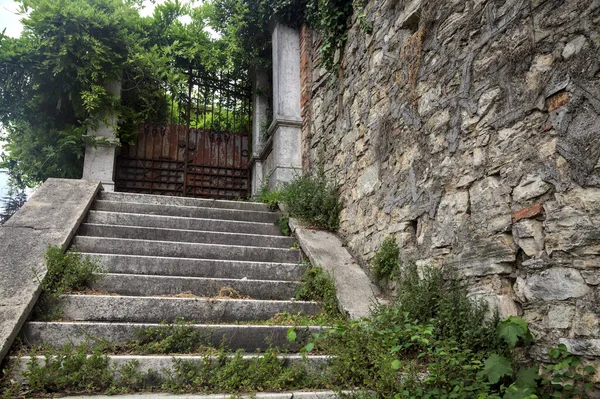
(257, 176)
(99, 164)
(287, 158)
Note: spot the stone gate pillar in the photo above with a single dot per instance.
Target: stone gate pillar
(99, 161)
(260, 105)
(287, 121)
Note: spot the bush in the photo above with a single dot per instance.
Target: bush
(314, 200)
(455, 316)
(386, 263)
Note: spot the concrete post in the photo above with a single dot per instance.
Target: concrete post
(287, 121)
(260, 105)
(99, 161)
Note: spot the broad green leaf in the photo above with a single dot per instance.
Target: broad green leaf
(527, 377)
(291, 334)
(496, 367)
(512, 329)
(396, 364)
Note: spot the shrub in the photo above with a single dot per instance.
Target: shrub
(386, 261)
(314, 200)
(456, 316)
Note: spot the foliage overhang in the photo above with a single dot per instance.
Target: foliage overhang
(55, 76)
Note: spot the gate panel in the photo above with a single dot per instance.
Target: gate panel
(206, 157)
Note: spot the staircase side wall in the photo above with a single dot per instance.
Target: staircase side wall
(469, 131)
(49, 218)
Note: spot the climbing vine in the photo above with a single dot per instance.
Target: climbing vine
(246, 24)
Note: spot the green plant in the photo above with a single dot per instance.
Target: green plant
(69, 369)
(567, 376)
(177, 337)
(386, 261)
(317, 285)
(240, 373)
(283, 224)
(66, 272)
(267, 196)
(443, 297)
(12, 203)
(246, 25)
(314, 200)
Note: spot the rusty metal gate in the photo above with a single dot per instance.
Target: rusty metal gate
(202, 150)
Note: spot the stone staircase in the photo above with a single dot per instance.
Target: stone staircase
(223, 264)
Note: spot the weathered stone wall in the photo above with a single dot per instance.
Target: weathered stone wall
(470, 131)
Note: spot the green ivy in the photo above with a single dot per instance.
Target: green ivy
(246, 25)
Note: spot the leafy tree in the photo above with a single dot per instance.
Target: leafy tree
(55, 76)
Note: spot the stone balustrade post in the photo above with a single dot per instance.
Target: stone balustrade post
(100, 158)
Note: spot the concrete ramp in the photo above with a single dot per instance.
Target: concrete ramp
(50, 217)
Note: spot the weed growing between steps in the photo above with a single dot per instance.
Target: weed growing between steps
(236, 374)
(283, 224)
(179, 337)
(67, 272)
(317, 285)
(269, 197)
(75, 370)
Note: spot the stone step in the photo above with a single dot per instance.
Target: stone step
(178, 235)
(184, 223)
(181, 201)
(135, 309)
(143, 285)
(226, 269)
(247, 337)
(186, 211)
(103, 245)
(164, 365)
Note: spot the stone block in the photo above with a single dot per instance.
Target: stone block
(531, 186)
(494, 255)
(560, 316)
(529, 212)
(557, 100)
(555, 284)
(529, 235)
(574, 47)
(490, 210)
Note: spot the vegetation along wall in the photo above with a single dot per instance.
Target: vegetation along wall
(470, 132)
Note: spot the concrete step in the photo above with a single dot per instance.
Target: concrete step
(103, 245)
(164, 365)
(135, 309)
(226, 269)
(182, 201)
(186, 211)
(205, 237)
(247, 337)
(142, 285)
(184, 223)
